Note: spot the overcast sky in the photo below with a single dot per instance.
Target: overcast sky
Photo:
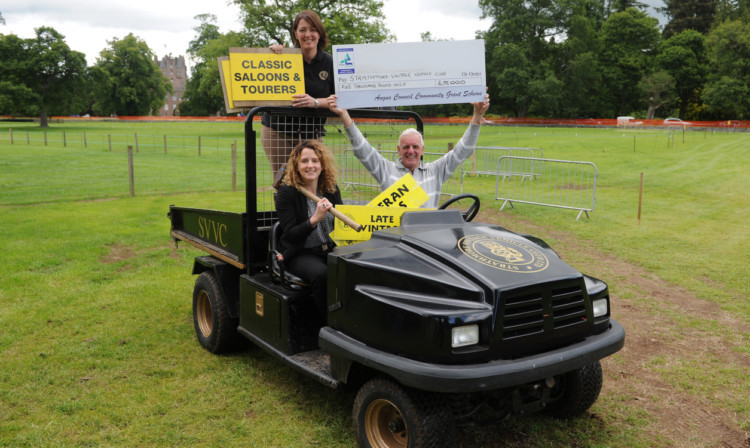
(167, 25)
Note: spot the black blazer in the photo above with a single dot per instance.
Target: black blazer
(291, 206)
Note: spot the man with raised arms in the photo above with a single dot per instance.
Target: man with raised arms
(430, 176)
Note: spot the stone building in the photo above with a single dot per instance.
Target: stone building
(176, 70)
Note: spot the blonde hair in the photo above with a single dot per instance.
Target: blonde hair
(327, 179)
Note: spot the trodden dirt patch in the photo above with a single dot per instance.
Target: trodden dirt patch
(657, 339)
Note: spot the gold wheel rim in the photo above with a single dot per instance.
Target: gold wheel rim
(203, 314)
(381, 418)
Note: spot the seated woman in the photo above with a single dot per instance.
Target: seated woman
(306, 225)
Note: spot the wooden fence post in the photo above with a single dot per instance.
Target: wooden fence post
(11, 135)
(65, 140)
(234, 166)
(109, 138)
(199, 146)
(640, 199)
(131, 178)
(165, 144)
(85, 143)
(28, 141)
(45, 137)
(136, 142)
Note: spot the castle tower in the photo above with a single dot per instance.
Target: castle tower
(176, 70)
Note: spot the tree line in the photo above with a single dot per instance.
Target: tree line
(42, 76)
(544, 58)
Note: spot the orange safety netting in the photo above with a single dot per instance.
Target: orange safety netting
(579, 122)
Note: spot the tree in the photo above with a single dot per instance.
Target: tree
(628, 40)
(41, 75)
(727, 92)
(59, 74)
(578, 65)
(521, 48)
(732, 10)
(547, 94)
(623, 5)
(511, 77)
(346, 21)
(15, 96)
(684, 15)
(683, 56)
(2, 19)
(658, 88)
(126, 80)
(203, 92)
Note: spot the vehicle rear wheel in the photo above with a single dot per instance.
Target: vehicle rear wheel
(387, 415)
(216, 330)
(576, 391)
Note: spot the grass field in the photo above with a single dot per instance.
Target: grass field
(98, 348)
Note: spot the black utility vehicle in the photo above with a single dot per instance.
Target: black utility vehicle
(433, 321)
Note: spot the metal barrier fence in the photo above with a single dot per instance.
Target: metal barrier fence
(485, 157)
(554, 183)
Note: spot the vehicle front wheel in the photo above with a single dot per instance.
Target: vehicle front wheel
(576, 391)
(387, 415)
(216, 330)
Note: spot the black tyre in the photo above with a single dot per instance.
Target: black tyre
(216, 331)
(387, 415)
(576, 391)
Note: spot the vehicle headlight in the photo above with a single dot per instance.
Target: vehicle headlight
(601, 307)
(466, 335)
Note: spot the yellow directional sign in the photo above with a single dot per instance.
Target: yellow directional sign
(405, 192)
(370, 218)
(384, 211)
(225, 73)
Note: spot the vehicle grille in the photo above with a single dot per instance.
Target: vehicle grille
(545, 309)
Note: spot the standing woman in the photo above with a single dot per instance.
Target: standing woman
(280, 134)
(305, 224)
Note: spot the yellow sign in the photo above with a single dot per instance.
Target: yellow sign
(370, 218)
(405, 192)
(259, 75)
(382, 212)
(225, 73)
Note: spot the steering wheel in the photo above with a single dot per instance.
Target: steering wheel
(473, 209)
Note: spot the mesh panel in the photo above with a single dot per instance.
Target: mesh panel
(381, 128)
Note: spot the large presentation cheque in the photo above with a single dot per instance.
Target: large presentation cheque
(409, 74)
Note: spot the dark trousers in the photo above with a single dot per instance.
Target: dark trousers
(313, 269)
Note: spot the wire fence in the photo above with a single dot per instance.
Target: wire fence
(42, 166)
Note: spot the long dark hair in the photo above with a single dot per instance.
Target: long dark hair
(313, 20)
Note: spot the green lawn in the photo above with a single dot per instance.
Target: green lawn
(98, 348)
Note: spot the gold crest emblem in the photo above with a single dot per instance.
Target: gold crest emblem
(503, 253)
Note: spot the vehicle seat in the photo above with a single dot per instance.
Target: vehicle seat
(278, 272)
